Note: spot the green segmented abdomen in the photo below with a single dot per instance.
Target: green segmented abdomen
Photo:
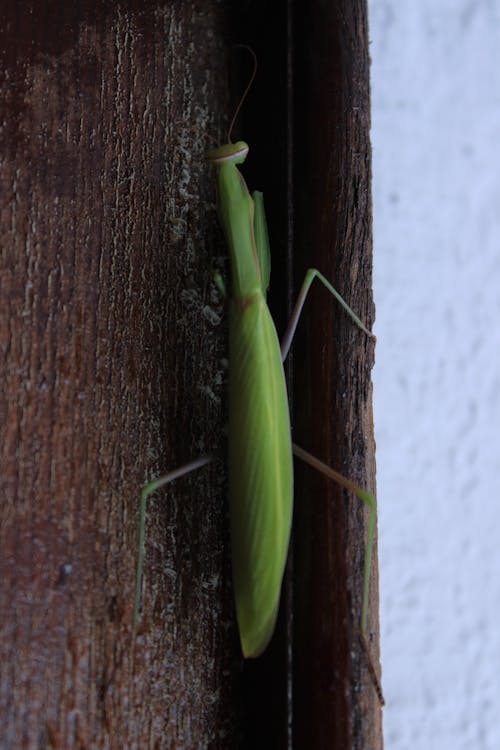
(260, 470)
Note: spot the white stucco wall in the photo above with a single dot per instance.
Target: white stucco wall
(436, 150)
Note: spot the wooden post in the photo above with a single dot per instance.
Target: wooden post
(112, 344)
(335, 704)
(113, 338)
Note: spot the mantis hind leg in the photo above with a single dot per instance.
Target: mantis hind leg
(148, 490)
(371, 502)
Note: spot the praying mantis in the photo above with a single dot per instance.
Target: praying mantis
(260, 453)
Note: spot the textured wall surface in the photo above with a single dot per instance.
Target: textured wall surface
(436, 136)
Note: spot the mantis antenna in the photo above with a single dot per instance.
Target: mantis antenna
(247, 89)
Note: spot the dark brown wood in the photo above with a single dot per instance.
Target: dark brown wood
(335, 705)
(113, 340)
(111, 373)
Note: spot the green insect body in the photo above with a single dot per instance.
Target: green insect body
(260, 448)
(260, 444)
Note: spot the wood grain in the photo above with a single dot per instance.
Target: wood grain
(113, 338)
(335, 704)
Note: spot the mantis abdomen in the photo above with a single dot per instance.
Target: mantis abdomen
(260, 470)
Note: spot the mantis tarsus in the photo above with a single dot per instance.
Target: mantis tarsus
(259, 437)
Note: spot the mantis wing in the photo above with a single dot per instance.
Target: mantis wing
(260, 471)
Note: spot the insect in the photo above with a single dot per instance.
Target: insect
(259, 437)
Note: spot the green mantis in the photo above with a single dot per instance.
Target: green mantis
(259, 437)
